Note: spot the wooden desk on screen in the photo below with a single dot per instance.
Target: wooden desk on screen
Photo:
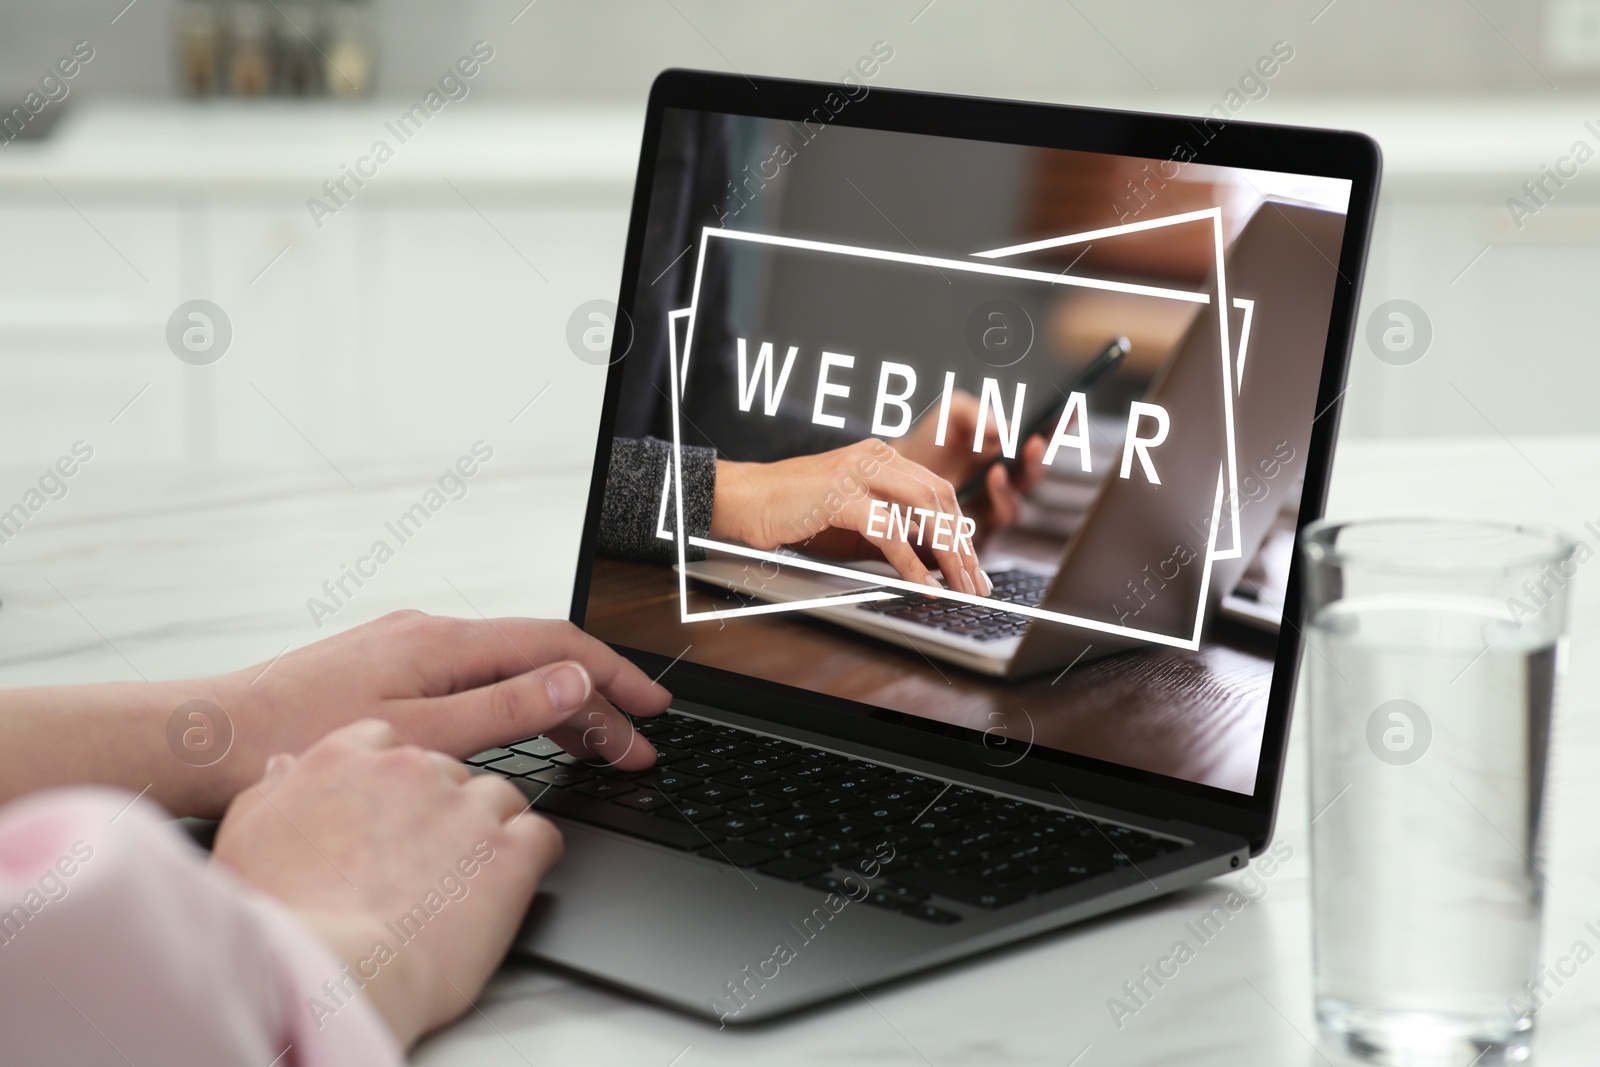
(1194, 715)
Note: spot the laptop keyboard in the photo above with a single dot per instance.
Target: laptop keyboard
(972, 620)
(906, 842)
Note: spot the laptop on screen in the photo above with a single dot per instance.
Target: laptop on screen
(909, 728)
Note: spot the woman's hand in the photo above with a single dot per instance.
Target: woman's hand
(956, 461)
(456, 685)
(825, 501)
(414, 873)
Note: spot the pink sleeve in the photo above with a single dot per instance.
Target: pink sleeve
(119, 944)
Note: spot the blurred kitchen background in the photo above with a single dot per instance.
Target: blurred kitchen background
(429, 305)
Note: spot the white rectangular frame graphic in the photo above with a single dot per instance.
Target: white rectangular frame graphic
(1227, 478)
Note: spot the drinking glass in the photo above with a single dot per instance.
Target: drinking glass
(1432, 648)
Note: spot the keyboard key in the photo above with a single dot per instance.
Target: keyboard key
(935, 826)
(786, 790)
(670, 781)
(563, 777)
(829, 852)
(488, 756)
(542, 747)
(642, 800)
(681, 739)
(999, 818)
(793, 868)
(855, 781)
(1030, 853)
(946, 858)
(730, 750)
(745, 777)
(1057, 875)
(996, 871)
(979, 840)
(517, 765)
(879, 899)
(952, 807)
(929, 913)
(882, 814)
(601, 789)
(737, 825)
(782, 837)
(614, 817)
(690, 811)
(846, 887)
(852, 829)
(713, 793)
(704, 766)
(961, 889)
(769, 760)
(739, 853)
(903, 893)
(835, 800)
(802, 818)
(811, 771)
(755, 804)
(915, 799)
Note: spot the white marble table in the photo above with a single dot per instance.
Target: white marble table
(173, 572)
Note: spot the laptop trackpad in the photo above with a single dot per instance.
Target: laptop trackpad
(680, 928)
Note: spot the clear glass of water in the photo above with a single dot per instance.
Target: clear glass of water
(1432, 651)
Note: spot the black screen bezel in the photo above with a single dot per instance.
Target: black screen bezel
(1256, 146)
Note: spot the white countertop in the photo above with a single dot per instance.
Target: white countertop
(188, 573)
(1488, 145)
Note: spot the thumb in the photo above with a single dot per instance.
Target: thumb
(526, 705)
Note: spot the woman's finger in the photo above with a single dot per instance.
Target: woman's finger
(366, 733)
(450, 767)
(497, 794)
(526, 705)
(600, 731)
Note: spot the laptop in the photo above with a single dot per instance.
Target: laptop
(1285, 250)
(829, 811)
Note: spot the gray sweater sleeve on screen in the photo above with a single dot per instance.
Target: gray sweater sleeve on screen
(632, 507)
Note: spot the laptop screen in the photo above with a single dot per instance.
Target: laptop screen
(1003, 437)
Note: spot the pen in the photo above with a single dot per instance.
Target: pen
(1107, 361)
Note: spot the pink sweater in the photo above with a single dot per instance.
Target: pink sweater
(120, 944)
